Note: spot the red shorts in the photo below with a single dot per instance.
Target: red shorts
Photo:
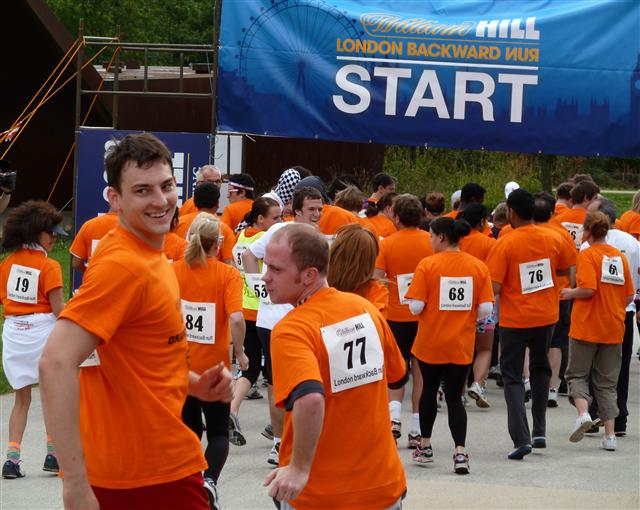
(187, 493)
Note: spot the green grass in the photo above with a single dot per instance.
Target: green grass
(61, 254)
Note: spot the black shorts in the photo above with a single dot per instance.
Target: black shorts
(405, 335)
(560, 338)
(264, 335)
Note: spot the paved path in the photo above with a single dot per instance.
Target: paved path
(565, 475)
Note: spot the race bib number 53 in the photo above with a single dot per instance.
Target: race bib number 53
(535, 276)
(257, 285)
(22, 285)
(355, 352)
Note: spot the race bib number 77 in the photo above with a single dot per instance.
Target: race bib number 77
(355, 352)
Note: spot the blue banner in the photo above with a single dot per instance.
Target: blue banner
(555, 76)
(190, 151)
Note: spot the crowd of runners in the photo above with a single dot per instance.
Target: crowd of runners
(336, 296)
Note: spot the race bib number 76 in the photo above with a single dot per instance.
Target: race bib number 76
(355, 352)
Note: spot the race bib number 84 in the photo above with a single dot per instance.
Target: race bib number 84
(22, 285)
(355, 352)
(200, 321)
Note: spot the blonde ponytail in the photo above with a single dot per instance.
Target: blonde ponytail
(202, 236)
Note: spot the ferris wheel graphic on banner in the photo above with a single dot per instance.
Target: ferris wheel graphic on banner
(292, 42)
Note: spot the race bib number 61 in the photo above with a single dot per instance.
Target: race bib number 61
(612, 270)
(355, 352)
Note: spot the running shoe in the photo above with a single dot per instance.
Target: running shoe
(495, 369)
(563, 389)
(253, 394)
(527, 391)
(539, 442)
(609, 443)
(11, 470)
(422, 455)
(396, 428)
(274, 455)
(596, 423)
(583, 423)
(212, 494)
(520, 452)
(465, 401)
(553, 398)
(461, 463)
(268, 432)
(414, 441)
(51, 464)
(235, 433)
(477, 393)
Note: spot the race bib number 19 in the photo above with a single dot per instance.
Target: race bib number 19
(22, 285)
(355, 352)
(456, 293)
(612, 270)
(200, 321)
(535, 276)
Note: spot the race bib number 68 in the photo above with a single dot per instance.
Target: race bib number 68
(355, 352)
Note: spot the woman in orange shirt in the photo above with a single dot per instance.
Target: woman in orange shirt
(351, 265)
(211, 295)
(31, 292)
(264, 212)
(380, 215)
(450, 290)
(603, 290)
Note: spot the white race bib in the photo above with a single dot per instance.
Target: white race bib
(404, 280)
(94, 245)
(22, 285)
(355, 352)
(575, 231)
(257, 285)
(535, 276)
(612, 270)
(237, 251)
(92, 361)
(200, 321)
(456, 293)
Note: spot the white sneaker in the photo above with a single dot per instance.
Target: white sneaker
(212, 494)
(609, 443)
(583, 423)
(553, 398)
(274, 455)
(476, 392)
(527, 390)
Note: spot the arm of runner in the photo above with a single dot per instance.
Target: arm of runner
(496, 288)
(213, 385)
(577, 293)
(250, 262)
(484, 309)
(77, 264)
(67, 347)
(286, 483)
(238, 330)
(56, 299)
(416, 306)
(572, 276)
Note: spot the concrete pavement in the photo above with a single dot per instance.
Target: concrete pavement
(565, 475)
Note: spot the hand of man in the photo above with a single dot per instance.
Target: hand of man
(78, 496)
(213, 384)
(286, 483)
(565, 293)
(243, 361)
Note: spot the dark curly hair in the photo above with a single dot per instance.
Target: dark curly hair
(25, 223)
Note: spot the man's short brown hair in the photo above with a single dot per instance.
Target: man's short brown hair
(408, 209)
(144, 150)
(584, 190)
(308, 247)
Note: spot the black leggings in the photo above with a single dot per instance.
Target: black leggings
(253, 350)
(455, 377)
(216, 415)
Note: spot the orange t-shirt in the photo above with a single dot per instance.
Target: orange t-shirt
(226, 248)
(234, 213)
(382, 225)
(131, 404)
(216, 283)
(24, 289)
(377, 294)
(90, 233)
(399, 254)
(572, 220)
(477, 244)
(504, 231)
(452, 284)
(353, 364)
(569, 248)
(630, 223)
(187, 207)
(451, 214)
(600, 319)
(560, 208)
(333, 218)
(524, 263)
(174, 246)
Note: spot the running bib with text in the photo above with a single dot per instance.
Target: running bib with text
(94, 245)
(456, 293)
(200, 321)
(92, 361)
(535, 276)
(257, 285)
(404, 280)
(22, 285)
(575, 231)
(355, 352)
(612, 270)
(237, 251)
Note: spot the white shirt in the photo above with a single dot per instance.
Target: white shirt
(630, 247)
(268, 315)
